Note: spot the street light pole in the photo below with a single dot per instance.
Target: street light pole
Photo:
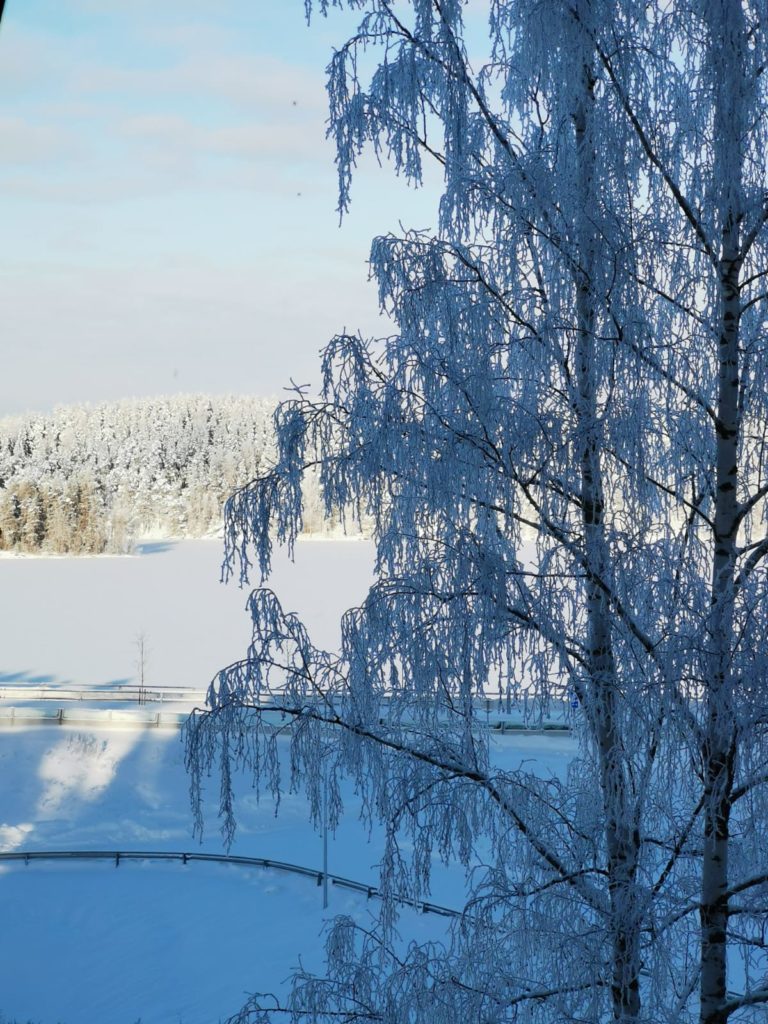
(325, 838)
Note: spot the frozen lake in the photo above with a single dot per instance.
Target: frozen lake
(76, 620)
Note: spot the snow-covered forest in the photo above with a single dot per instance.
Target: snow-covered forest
(93, 478)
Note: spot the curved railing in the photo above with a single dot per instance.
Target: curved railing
(27, 856)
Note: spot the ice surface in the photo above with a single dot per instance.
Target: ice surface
(75, 620)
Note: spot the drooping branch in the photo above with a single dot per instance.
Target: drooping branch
(592, 896)
(688, 211)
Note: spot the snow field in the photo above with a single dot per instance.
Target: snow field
(74, 621)
(89, 943)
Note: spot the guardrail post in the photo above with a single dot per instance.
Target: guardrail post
(117, 860)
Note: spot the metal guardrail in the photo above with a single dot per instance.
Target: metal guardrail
(499, 715)
(503, 726)
(132, 694)
(370, 891)
(118, 718)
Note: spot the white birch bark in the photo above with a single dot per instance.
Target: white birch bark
(727, 42)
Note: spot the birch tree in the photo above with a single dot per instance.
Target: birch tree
(562, 451)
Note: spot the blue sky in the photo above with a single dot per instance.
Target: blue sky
(167, 200)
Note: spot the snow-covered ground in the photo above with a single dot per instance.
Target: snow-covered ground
(76, 620)
(91, 943)
(86, 943)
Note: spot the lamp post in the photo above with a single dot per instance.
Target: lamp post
(325, 837)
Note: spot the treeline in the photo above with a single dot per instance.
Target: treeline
(89, 479)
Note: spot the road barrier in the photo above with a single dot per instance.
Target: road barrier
(132, 694)
(116, 718)
(117, 856)
(119, 718)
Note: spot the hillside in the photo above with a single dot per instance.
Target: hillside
(92, 479)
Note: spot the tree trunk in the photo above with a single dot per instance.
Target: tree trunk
(719, 743)
(621, 836)
(727, 43)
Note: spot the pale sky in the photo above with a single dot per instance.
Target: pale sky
(167, 201)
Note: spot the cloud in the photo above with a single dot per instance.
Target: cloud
(170, 8)
(29, 143)
(250, 140)
(241, 81)
(100, 132)
(29, 62)
(113, 332)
